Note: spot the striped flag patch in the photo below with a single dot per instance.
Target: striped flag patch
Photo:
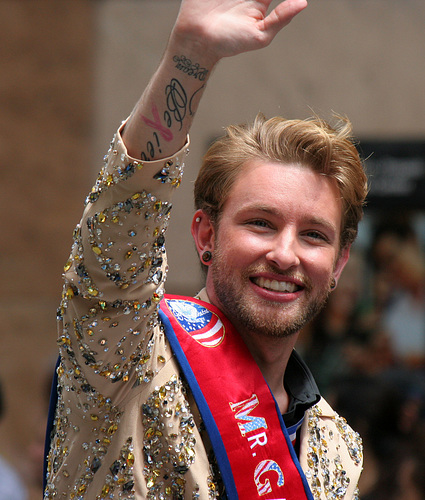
(202, 325)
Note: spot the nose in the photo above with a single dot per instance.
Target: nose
(284, 250)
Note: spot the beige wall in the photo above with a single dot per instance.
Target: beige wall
(72, 70)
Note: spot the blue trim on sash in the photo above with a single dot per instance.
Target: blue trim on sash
(293, 453)
(208, 419)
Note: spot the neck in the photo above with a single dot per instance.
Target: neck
(271, 356)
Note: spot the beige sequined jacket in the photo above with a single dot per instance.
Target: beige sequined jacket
(125, 426)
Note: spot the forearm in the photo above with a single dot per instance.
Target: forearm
(205, 31)
(160, 121)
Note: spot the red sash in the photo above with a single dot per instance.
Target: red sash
(250, 441)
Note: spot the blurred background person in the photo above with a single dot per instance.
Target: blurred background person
(11, 485)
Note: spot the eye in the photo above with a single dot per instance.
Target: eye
(259, 223)
(317, 235)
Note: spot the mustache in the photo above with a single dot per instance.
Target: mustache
(288, 274)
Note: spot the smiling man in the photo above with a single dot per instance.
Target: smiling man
(176, 397)
(273, 260)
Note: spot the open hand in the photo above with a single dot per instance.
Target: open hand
(222, 28)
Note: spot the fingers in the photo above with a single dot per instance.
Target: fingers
(283, 15)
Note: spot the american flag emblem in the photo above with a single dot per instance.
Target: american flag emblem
(201, 324)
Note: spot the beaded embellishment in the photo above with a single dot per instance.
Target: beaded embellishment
(326, 476)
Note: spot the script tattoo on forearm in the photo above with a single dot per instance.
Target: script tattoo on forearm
(191, 69)
(165, 133)
(156, 124)
(191, 110)
(178, 106)
(176, 101)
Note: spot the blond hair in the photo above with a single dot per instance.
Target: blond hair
(312, 143)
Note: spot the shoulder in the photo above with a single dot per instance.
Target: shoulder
(331, 453)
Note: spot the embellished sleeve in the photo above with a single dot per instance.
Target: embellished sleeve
(114, 278)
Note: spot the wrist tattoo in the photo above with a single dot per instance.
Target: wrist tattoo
(191, 69)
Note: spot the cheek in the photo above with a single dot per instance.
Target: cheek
(320, 263)
(249, 252)
(237, 248)
(231, 256)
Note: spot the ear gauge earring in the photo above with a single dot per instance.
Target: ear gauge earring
(206, 256)
(333, 284)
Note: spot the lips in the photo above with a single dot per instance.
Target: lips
(275, 285)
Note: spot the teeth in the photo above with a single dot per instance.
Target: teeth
(277, 286)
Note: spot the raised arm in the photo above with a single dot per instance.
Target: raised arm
(114, 357)
(205, 31)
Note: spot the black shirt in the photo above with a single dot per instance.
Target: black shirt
(301, 388)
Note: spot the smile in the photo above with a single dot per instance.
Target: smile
(276, 286)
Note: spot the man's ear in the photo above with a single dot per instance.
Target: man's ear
(203, 232)
(341, 261)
